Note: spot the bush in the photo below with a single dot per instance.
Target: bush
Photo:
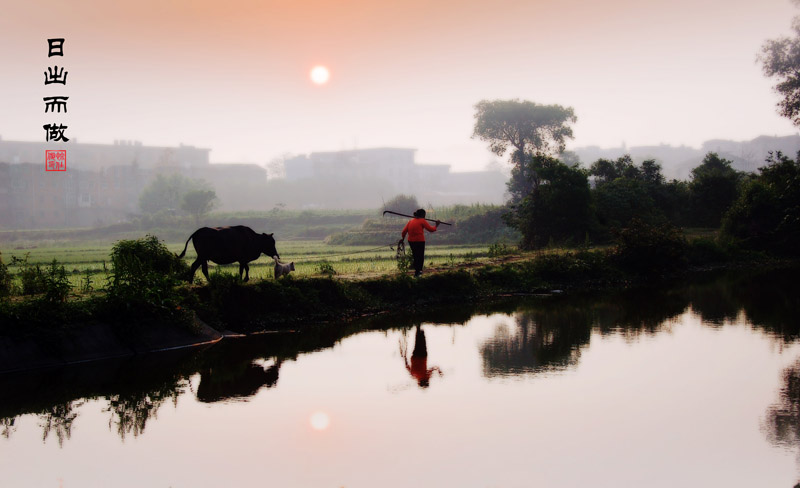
(405, 204)
(5, 279)
(143, 275)
(646, 248)
(326, 268)
(56, 284)
(499, 249)
(706, 251)
(31, 275)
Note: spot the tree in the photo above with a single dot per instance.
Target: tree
(198, 202)
(558, 208)
(714, 187)
(528, 127)
(766, 215)
(621, 200)
(406, 204)
(166, 192)
(780, 58)
(536, 133)
(606, 171)
(624, 191)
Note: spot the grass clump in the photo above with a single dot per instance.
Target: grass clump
(144, 274)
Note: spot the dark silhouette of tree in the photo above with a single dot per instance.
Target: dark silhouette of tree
(557, 205)
(766, 215)
(713, 188)
(605, 170)
(624, 191)
(780, 59)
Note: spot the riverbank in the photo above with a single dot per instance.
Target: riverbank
(44, 334)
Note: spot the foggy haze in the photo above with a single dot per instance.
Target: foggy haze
(234, 77)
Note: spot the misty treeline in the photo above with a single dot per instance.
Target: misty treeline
(553, 199)
(471, 224)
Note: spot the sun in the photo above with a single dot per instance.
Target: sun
(320, 75)
(320, 420)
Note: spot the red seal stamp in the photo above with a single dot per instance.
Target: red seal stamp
(55, 160)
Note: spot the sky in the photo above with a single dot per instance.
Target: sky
(234, 76)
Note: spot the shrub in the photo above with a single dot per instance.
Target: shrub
(52, 281)
(56, 283)
(646, 248)
(31, 275)
(326, 268)
(499, 249)
(706, 251)
(405, 204)
(5, 279)
(143, 275)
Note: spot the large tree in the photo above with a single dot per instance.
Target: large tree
(780, 58)
(529, 129)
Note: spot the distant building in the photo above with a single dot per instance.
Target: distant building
(97, 156)
(678, 161)
(397, 168)
(102, 183)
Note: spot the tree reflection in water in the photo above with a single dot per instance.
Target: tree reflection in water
(545, 335)
(548, 336)
(7, 426)
(131, 411)
(782, 421)
(59, 419)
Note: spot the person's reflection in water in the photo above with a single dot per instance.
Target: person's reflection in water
(418, 367)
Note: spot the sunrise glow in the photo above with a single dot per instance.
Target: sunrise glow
(320, 75)
(320, 420)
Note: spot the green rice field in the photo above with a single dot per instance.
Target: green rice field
(311, 258)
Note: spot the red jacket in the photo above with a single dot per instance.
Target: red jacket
(414, 229)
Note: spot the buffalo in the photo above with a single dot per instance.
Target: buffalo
(225, 245)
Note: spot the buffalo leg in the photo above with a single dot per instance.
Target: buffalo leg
(205, 270)
(244, 267)
(195, 265)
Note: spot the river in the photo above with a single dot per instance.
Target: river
(692, 384)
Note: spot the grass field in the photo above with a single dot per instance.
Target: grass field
(310, 258)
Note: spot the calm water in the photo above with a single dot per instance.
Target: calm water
(695, 385)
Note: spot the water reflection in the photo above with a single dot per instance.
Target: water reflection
(58, 419)
(418, 367)
(240, 380)
(782, 421)
(533, 337)
(130, 411)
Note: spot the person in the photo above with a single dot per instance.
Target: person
(415, 228)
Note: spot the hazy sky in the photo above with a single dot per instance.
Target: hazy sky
(234, 76)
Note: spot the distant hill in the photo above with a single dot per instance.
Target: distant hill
(678, 161)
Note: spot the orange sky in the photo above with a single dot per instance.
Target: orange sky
(234, 77)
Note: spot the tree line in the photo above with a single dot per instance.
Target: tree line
(553, 199)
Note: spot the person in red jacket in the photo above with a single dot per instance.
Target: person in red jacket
(415, 228)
